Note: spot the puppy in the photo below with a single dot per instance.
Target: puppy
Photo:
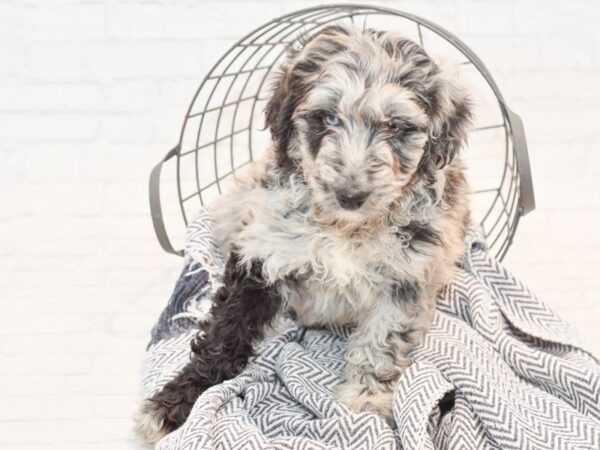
(356, 217)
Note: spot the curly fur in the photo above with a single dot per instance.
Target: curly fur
(352, 111)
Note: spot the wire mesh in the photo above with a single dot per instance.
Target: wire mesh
(224, 130)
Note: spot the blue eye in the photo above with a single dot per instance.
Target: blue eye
(331, 120)
(395, 127)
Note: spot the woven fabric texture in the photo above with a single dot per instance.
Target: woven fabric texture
(497, 370)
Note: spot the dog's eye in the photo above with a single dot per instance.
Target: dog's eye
(397, 128)
(331, 120)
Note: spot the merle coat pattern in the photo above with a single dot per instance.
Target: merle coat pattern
(355, 217)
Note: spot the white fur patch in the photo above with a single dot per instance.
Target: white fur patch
(148, 426)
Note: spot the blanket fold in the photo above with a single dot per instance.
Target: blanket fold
(498, 369)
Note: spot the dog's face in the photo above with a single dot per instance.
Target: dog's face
(363, 114)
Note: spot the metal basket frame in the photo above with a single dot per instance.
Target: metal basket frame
(520, 199)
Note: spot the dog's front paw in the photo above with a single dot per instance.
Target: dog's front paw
(359, 398)
(151, 423)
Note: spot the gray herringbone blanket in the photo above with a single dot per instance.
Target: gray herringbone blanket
(498, 369)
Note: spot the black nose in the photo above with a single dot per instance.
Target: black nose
(351, 199)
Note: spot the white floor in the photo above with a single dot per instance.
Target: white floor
(94, 95)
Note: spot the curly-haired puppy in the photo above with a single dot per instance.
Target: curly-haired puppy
(356, 217)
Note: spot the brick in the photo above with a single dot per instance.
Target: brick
(571, 49)
(71, 246)
(112, 368)
(217, 19)
(126, 205)
(97, 430)
(128, 128)
(13, 166)
(106, 261)
(18, 434)
(136, 20)
(61, 61)
(116, 161)
(101, 382)
(570, 85)
(138, 228)
(25, 385)
(52, 278)
(63, 97)
(78, 200)
(145, 58)
(12, 19)
(58, 127)
(115, 406)
(131, 95)
(47, 324)
(507, 53)
(14, 127)
(17, 408)
(485, 18)
(49, 166)
(55, 364)
(13, 97)
(73, 344)
(65, 22)
(556, 16)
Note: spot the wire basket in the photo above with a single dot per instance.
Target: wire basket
(223, 129)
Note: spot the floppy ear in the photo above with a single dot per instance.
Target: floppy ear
(295, 78)
(448, 108)
(450, 113)
(278, 115)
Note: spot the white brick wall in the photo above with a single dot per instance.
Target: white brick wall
(92, 93)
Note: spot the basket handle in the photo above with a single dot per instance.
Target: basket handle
(526, 197)
(155, 205)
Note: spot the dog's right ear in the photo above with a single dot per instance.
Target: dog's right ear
(278, 116)
(295, 78)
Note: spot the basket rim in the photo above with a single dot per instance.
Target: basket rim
(512, 122)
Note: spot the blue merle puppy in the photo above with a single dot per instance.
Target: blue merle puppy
(355, 217)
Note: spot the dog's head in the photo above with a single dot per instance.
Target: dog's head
(362, 115)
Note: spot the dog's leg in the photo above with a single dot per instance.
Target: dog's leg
(379, 347)
(242, 309)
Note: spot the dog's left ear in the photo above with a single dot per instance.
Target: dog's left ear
(447, 106)
(449, 110)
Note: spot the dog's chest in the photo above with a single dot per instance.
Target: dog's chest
(315, 303)
(345, 280)
(327, 277)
